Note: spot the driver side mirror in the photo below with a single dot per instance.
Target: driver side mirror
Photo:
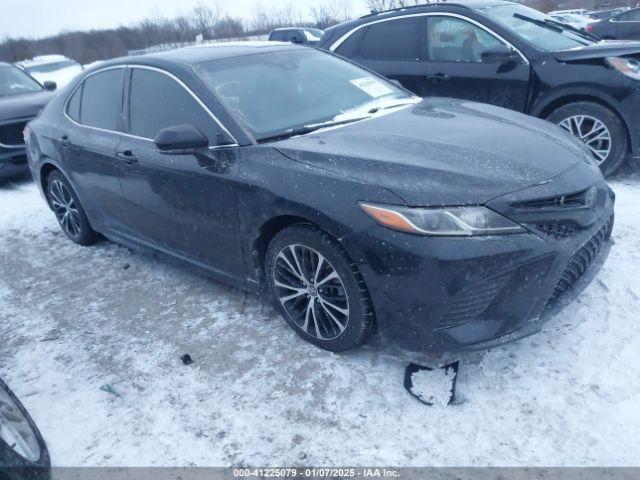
(50, 86)
(180, 140)
(499, 54)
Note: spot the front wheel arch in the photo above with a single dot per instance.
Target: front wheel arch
(543, 111)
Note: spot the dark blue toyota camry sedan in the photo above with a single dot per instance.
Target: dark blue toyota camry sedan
(362, 210)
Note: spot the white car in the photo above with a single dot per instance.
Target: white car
(51, 68)
(573, 19)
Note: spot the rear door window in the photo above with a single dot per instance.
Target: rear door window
(393, 40)
(101, 104)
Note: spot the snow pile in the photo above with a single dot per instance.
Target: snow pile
(434, 386)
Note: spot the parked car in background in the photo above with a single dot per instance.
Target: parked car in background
(580, 22)
(23, 452)
(604, 14)
(51, 68)
(355, 205)
(621, 26)
(21, 99)
(576, 11)
(508, 55)
(301, 36)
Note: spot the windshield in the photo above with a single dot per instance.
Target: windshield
(14, 81)
(271, 93)
(540, 36)
(313, 34)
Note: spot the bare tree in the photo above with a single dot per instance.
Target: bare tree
(204, 18)
(330, 13)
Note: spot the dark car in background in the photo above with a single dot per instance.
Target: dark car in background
(608, 13)
(297, 35)
(21, 99)
(621, 26)
(355, 205)
(508, 55)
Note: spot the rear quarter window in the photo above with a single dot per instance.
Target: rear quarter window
(73, 107)
(351, 44)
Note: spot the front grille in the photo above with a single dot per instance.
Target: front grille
(11, 134)
(572, 200)
(558, 230)
(581, 261)
(471, 301)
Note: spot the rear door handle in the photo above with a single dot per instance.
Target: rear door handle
(128, 156)
(65, 142)
(438, 77)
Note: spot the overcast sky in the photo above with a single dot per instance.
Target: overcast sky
(38, 18)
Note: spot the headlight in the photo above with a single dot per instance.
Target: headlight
(626, 66)
(451, 221)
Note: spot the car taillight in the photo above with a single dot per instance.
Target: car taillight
(588, 28)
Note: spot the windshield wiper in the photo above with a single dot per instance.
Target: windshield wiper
(571, 28)
(540, 23)
(555, 26)
(294, 132)
(389, 107)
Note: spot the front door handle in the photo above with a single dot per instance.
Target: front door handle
(128, 156)
(438, 77)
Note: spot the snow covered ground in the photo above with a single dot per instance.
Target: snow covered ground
(73, 320)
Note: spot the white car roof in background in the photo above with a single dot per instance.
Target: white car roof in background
(43, 59)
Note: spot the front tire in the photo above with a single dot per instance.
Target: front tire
(23, 452)
(317, 288)
(68, 210)
(599, 128)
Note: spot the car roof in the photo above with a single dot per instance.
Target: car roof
(44, 59)
(469, 4)
(201, 53)
(417, 9)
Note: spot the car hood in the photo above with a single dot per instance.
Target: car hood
(599, 50)
(442, 152)
(25, 105)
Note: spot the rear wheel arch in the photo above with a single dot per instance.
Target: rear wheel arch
(46, 170)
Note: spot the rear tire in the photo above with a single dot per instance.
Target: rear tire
(588, 121)
(317, 288)
(68, 211)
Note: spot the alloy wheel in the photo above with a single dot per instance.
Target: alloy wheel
(595, 134)
(15, 430)
(65, 208)
(311, 291)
